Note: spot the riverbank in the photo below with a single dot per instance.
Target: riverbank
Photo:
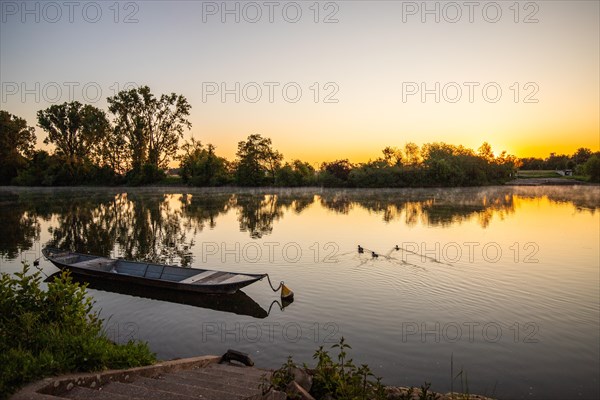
(558, 181)
(554, 181)
(189, 378)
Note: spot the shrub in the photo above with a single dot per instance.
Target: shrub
(341, 379)
(338, 380)
(148, 174)
(51, 332)
(592, 168)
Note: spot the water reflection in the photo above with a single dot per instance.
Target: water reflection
(162, 227)
(199, 211)
(20, 226)
(256, 214)
(554, 287)
(237, 303)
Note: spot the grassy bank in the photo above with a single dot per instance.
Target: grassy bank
(45, 333)
(538, 174)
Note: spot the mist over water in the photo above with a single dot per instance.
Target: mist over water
(505, 280)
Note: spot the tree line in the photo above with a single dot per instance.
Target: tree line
(582, 162)
(142, 136)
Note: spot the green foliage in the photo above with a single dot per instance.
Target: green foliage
(376, 174)
(53, 170)
(149, 127)
(147, 174)
(75, 129)
(280, 378)
(435, 164)
(581, 156)
(17, 141)
(257, 162)
(555, 161)
(45, 333)
(592, 168)
(339, 380)
(200, 166)
(146, 137)
(335, 173)
(297, 173)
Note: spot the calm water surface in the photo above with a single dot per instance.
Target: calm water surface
(503, 280)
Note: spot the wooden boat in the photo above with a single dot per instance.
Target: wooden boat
(149, 274)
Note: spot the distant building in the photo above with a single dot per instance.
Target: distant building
(565, 172)
(173, 171)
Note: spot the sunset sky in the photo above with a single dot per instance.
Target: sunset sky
(373, 58)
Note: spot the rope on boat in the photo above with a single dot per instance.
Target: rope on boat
(286, 293)
(270, 284)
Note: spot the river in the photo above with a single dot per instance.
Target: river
(503, 281)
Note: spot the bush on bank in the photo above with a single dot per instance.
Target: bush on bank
(44, 333)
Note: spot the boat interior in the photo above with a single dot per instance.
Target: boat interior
(152, 271)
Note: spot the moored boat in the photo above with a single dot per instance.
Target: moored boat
(151, 274)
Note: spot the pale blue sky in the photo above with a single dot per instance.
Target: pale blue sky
(368, 54)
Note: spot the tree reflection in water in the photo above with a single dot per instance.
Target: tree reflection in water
(162, 227)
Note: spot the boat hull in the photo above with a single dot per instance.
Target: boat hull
(224, 288)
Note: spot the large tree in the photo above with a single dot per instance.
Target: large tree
(17, 141)
(392, 156)
(200, 166)
(581, 155)
(257, 162)
(412, 154)
(76, 130)
(150, 127)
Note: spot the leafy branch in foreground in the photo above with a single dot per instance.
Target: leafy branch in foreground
(44, 333)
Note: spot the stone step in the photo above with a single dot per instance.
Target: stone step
(243, 373)
(83, 393)
(209, 382)
(242, 388)
(187, 391)
(232, 368)
(138, 389)
(243, 381)
(272, 395)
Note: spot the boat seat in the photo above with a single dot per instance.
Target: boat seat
(197, 277)
(215, 277)
(97, 264)
(66, 259)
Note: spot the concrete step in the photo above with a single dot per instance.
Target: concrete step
(139, 389)
(207, 382)
(242, 388)
(272, 395)
(82, 393)
(241, 373)
(238, 369)
(242, 381)
(154, 384)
